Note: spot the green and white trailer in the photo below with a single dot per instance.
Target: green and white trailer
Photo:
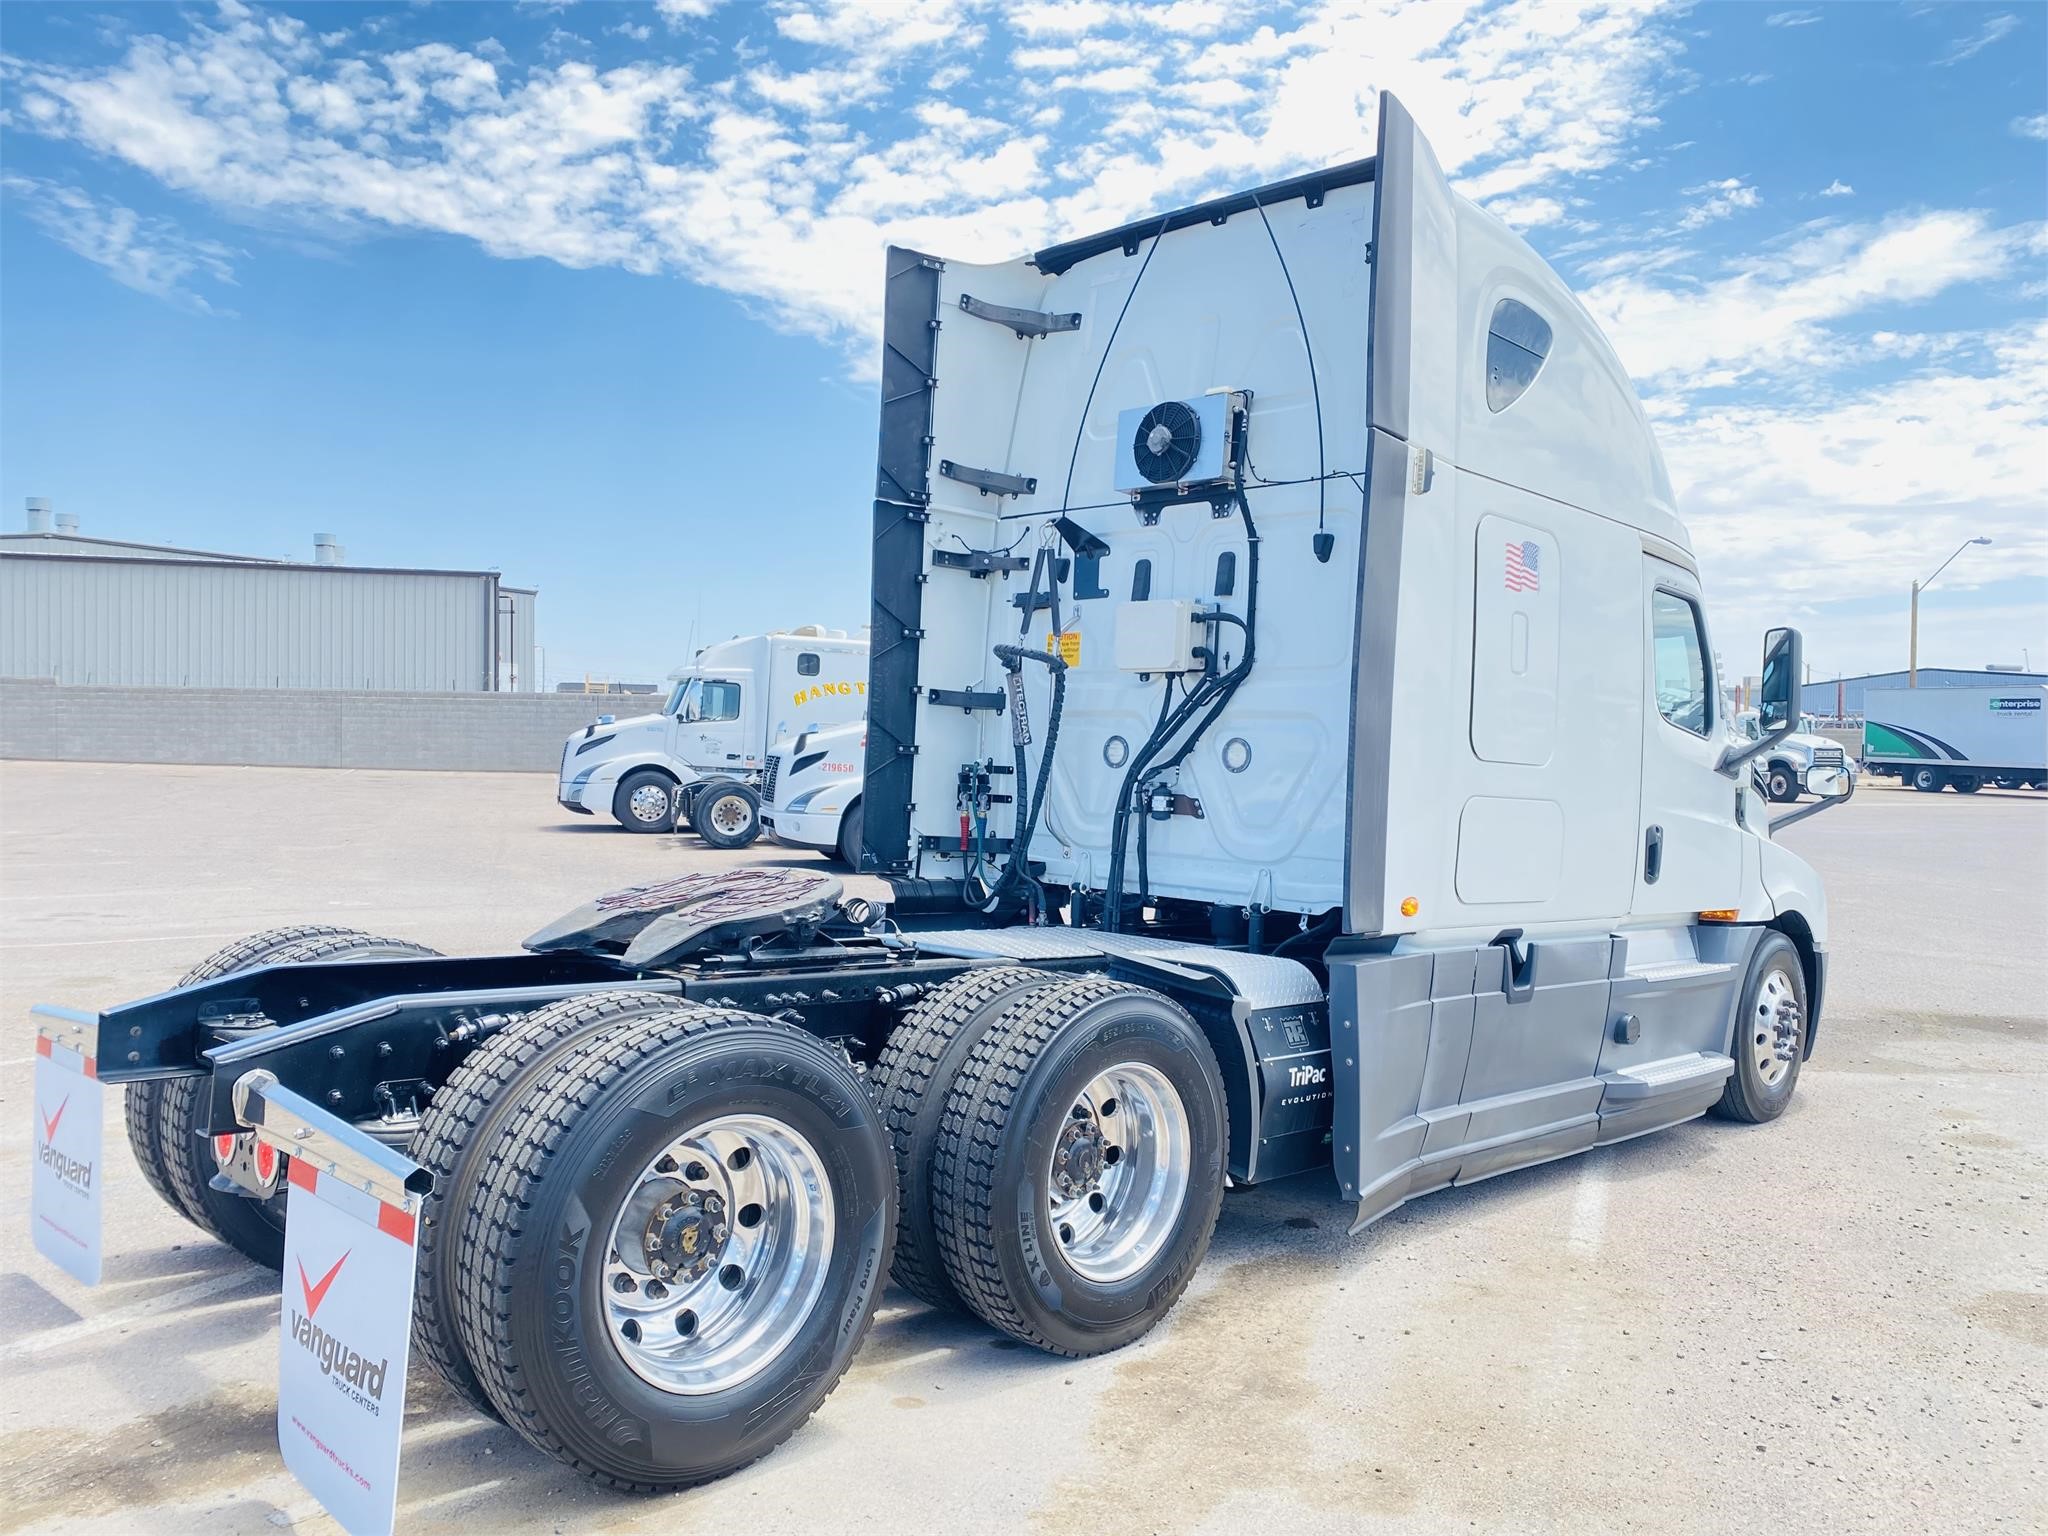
(1957, 738)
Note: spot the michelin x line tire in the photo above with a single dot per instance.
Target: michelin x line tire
(913, 1079)
(1080, 1166)
(727, 814)
(1770, 1034)
(463, 1116)
(254, 1228)
(675, 1245)
(645, 801)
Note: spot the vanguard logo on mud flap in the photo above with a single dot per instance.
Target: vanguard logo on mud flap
(71, 1171)
(346, 1366)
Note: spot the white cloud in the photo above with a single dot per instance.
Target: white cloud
(1838, 188)
(1792, 18)
(1723, 198)
(2035, 127)
(631, 29)
(1992, 31)
(677, 12)
(1771, 313)
(780, 181)
(150, 255)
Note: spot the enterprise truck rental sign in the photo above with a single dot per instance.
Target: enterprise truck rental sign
(343, 1333)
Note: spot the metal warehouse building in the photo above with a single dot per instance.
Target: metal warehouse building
(109, 612)
(1844, 696)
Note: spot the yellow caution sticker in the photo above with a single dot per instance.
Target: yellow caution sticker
(1067, 647)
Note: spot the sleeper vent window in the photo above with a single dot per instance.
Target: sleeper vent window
(1517, 342)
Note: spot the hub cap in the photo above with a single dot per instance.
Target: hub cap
(1119, 1173)
(648, 803)
(1776, 1028)
(718, 1254)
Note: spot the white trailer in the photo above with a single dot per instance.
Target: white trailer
(1957, 738)
(1327, 773)
(698, 759)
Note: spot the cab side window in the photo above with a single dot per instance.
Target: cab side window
(1680, 647)
(719, 701)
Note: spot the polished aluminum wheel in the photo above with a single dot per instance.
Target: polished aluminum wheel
(730, 814)
(648, 803)
(1776, 1027)
(719, 1254)
(1119, 1173)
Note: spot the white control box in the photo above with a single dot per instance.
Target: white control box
(1158, 636)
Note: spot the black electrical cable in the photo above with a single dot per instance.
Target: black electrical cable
(1214, 693)
(1314, 389)
(1102, 362)
(1025, 823)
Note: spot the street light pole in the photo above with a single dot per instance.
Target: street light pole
(1913, 632)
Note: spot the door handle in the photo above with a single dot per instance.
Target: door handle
(1653, 855)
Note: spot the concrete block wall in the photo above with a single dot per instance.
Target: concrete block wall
(482, 732)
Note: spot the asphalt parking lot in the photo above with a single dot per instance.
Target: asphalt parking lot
(1835, 1323)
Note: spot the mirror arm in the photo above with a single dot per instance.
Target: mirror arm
(1735, 757)
(1811, 810)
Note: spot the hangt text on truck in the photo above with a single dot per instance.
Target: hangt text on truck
(1294, 745)
(699, 758)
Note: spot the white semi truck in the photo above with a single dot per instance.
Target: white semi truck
(698, 759)
(810, 792)
(1285, 596)
(1957, 738)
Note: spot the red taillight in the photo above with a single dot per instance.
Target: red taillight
(223, 1150)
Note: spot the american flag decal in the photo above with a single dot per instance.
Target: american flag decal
(1524, 571)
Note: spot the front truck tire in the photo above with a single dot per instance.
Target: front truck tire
(163, 1116)
(675, 1245)
(851, 830)
(463, 1116)
(1080, 1167)
(645, 801)
(913, 1078)
(1770, 1034)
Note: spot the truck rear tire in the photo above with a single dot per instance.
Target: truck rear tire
(913, 1078)
(1080, 1166)
(253, 1228)
(728, 814)
(675, 1245)
(1928, 780)
(645, 801)
(1770, 1034)
(850, 833)
(463, 1116)
(1966, 783)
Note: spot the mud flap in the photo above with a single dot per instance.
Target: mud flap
(65, 1194)
(345, 1328)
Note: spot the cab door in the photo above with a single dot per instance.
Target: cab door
(723, 730)
(1689, 853)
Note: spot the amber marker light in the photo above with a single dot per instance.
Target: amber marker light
(1410, 906)
(1719, 915)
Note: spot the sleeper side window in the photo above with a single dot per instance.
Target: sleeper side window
(1680, 646)
(806, 663)
(721, 701)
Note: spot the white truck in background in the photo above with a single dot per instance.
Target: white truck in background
(698, 760)
(1784, 768)
(1957, 738)
(810, 794)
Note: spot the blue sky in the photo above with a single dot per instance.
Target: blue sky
(587, 292)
